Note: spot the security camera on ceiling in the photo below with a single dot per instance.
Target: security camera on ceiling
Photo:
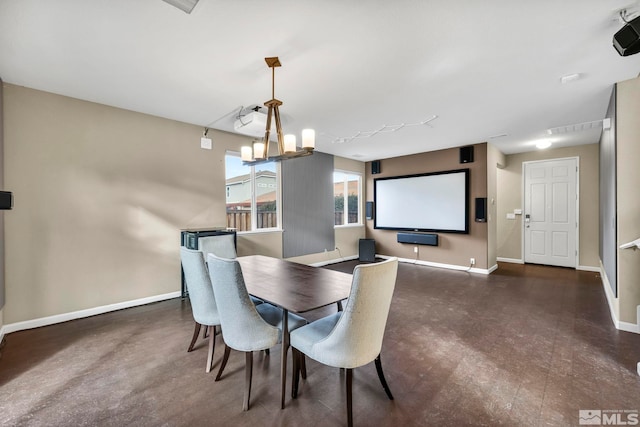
(627, 39)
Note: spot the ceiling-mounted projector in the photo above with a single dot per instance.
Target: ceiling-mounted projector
(253, 124)
(627, 39)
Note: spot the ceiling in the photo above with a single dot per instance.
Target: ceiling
(488, 71)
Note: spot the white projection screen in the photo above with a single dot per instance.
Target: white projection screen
(428, 202)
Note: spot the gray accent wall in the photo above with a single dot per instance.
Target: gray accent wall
(608, 246)
(307, 205)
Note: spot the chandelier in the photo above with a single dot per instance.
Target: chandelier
(287, 148)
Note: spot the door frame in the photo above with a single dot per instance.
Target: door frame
(523, 187)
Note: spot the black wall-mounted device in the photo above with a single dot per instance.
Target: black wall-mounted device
(627, 40)
(428, 239)
(375, 167)
(6, 200)
(481, 209)
(369, 210)
(466, 154)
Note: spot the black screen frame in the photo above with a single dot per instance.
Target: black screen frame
(467, 208)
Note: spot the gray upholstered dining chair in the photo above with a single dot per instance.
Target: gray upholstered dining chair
(222, 245)
(245, 326)
(353, 337)
(203, 302)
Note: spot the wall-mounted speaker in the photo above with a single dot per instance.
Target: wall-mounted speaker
(466, 154)
(369, 210)
(375, 167)
(6, 200)
(627, 40)
(481, 209)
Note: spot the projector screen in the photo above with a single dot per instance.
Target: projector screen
(436, 201)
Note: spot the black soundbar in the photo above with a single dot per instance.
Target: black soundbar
(418, 238)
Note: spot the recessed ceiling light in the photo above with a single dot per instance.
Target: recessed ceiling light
(543, 143)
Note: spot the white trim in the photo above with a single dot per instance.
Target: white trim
(2, 332)
(588, 268)
(511, 260)
(65, 317)
(622, 326)
(628, 327)
(439, 265)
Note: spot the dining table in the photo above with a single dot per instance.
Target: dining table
(295, 288)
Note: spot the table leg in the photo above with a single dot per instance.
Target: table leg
(285, 349)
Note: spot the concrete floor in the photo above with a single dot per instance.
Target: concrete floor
(527, 345)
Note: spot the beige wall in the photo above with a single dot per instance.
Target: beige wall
(101, 195)
(495, 160)
(628, 200)
(509, 232)
(453, 249)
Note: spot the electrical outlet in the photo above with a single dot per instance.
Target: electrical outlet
(415, 249)
(473, 261)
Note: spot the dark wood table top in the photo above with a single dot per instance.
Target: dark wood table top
(295, 287)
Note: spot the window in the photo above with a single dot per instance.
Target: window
(346, 193)
(252, 196)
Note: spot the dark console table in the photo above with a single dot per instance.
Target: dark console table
(189, 239)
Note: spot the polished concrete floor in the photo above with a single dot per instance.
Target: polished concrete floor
(526, 345)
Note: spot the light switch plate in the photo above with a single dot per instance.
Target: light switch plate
(517, 211)
(511, 216)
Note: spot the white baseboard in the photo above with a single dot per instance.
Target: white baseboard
(2, 332)
(622, 326)
(588, 268)
(510, 260)
(440, 265)
(64, 317)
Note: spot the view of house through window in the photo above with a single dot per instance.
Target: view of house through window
(252, 202)
(346, 192)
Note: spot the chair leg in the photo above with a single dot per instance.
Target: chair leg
(381, 376)
(205, 333)
(349, 402)
(339, 303)
(296, 372)
(248, 369)
(303, 366)
(267, 352)
(225, 358)
(212, 347)
(195, 337)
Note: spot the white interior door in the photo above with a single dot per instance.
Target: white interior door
(550, 212)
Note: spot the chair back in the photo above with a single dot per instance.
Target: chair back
(222, 245)
(203, 301)
(242, 327)
(356, 338)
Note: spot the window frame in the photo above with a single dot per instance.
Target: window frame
(254, 205)
(345, 205)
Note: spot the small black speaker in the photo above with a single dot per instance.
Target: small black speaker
(627, 39)
(466, 154)
(369, 210)
(481, 209)
(367, 250)
(6, 200)
(375, 167)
